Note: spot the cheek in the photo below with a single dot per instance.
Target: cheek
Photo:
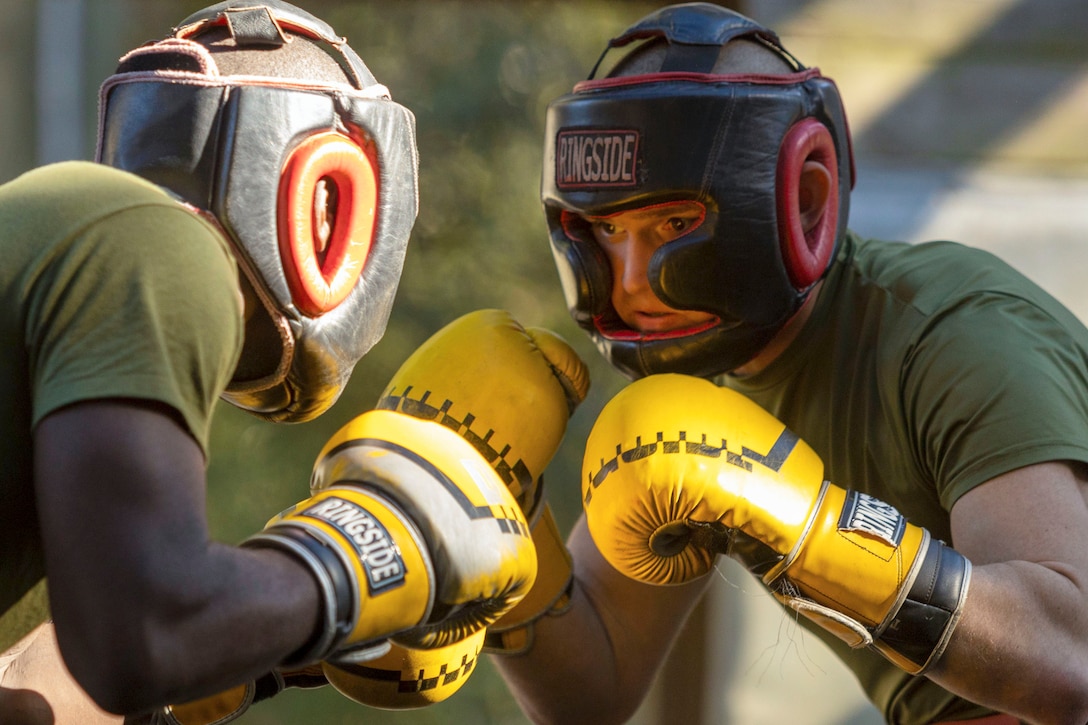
(615, 261)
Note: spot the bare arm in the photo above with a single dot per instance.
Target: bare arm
(148, 610)
(595, 663)
(1022, 644)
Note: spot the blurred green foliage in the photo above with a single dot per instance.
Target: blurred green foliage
(478, 75)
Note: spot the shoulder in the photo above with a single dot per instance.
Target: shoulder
(71, 204)
(76, 179)
(936, 284)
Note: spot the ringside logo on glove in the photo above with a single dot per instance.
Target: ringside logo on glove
(505, 392)
(381, 559)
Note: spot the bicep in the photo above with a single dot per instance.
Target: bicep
(1036, 514)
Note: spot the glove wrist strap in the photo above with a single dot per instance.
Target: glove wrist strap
(916, 635)
(370, 563)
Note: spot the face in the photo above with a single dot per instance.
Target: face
(629, 240)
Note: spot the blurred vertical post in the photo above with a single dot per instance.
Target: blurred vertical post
(16, 87)
(59, 81)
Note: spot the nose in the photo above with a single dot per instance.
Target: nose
(638, 252)
(636, 264)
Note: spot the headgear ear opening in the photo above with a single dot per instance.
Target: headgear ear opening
(327, 204)
(806, 254)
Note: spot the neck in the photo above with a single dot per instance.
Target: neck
(782, 339)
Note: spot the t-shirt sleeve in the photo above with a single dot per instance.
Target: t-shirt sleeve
(143, 304)
(995, 384)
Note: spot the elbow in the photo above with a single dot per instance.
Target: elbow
(124, 679)
(126, 665)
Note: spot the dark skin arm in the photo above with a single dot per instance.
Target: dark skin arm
(148, 610)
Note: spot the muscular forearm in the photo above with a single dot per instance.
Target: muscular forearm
(570, 675)
(1022, 644)
(142, 599)
(595, 663)
(170, 648)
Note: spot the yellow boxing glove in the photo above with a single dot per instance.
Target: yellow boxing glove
(408, 530)
(406, 678)
(678, 470)
(508, 390)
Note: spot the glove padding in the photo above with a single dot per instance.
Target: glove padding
(678, 470)
(407, 678)
(409, 530)
(508, 390)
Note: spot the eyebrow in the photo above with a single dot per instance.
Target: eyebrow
(670, 210)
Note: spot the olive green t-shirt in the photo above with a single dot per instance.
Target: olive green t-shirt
(926, 370)
(111, 289)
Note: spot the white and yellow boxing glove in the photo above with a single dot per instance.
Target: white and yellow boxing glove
(509, 391)
(678, 470)
(409, 529)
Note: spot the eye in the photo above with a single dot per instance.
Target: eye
(678, 224)
(605, 228)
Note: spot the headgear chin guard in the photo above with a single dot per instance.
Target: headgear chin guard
(313, 181)
(734, 143)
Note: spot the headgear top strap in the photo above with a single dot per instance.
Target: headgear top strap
(244, 17)
(700, 24)
(254, 26)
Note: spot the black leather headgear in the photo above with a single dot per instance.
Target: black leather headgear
(258, 153)
(735, 144)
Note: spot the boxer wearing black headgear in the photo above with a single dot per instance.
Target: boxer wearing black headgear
(895, 451)
(737, 144)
